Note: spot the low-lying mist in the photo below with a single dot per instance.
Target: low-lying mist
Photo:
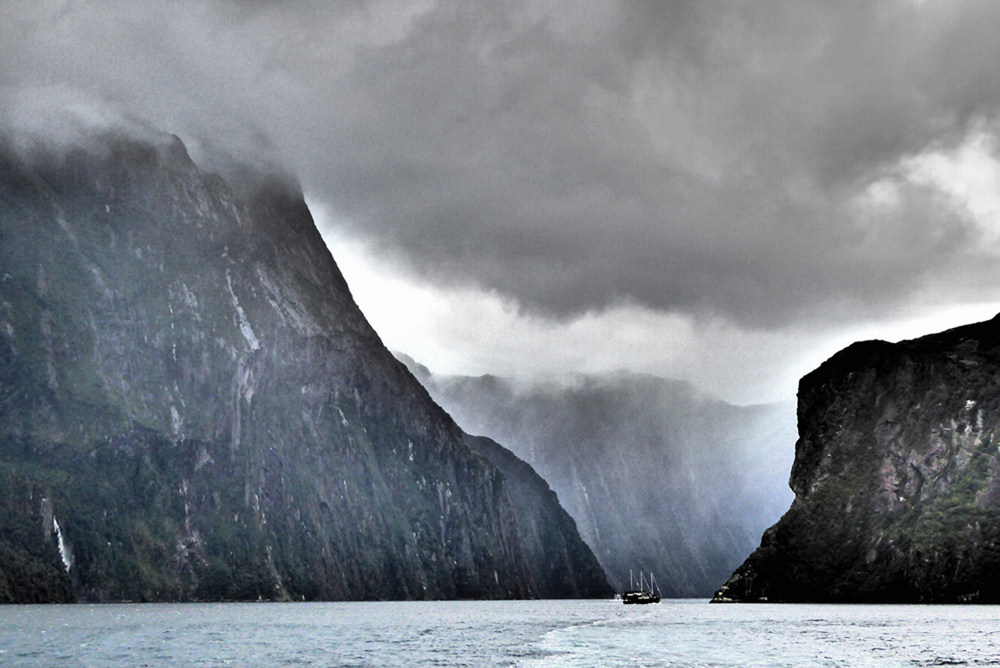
(658, 477)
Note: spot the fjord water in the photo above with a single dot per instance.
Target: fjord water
(508, 633)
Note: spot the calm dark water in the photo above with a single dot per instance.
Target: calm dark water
(515, 633)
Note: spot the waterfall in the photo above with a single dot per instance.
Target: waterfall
(64, 552)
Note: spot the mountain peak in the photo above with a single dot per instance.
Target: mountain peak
(187, 383)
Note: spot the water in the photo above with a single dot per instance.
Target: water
(526, 634)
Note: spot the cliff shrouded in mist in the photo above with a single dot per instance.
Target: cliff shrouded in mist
(896, 478)
(657, 478)
(556, 554)
(192, 407)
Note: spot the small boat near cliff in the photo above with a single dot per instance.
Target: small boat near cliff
(644, 594)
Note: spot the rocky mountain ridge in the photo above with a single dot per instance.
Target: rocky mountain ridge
(896, 478)
(192, 407)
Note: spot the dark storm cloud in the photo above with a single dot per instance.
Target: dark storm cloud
(700, 157)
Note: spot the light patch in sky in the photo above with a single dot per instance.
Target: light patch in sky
(969, 176)
(470, 331)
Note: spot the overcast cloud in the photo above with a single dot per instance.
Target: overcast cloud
(756, 177)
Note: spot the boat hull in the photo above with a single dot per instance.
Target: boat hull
(639, 598)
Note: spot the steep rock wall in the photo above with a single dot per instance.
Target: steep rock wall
(896, 478)
(189, 391)
(558, 556)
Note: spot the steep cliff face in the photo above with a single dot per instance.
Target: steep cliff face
(656, 477)
(193, 407)
(563, 565)
(896, 478)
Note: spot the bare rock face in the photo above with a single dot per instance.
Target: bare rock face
(558, 557)
(192, 407)
(896, 478)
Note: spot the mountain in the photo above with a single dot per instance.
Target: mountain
(555, 552)
(657, 477)
(192, 407)
(896, 478)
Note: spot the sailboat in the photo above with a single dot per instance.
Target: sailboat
(643, 594)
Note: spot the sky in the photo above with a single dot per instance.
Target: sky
(724, 192)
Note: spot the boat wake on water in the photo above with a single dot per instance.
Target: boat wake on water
(500, 634)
